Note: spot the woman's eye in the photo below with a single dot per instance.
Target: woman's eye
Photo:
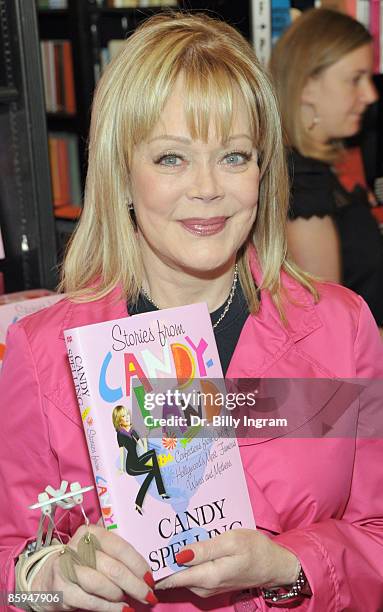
(236, 159)
(169, 160)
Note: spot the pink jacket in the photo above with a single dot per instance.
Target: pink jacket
(320, 498)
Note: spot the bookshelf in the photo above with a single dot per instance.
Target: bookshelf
(26, 217)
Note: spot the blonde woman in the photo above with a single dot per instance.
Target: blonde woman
(136, 465)
(186, 200)
(322, 70)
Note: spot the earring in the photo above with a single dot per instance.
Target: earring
(314, 122)
(132, 213)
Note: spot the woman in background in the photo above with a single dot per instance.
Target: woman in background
(322, 67)
(185, 134)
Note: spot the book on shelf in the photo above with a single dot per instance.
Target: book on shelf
(280, 18)
(58, 76)
(65, 169)
(138, 3)
(375, 29)
(144, 386)
(15, 306)
(52, 4)
(261, 29)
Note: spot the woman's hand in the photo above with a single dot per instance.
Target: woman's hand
(121, 572)
(235, 560)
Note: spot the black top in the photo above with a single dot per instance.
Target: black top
(129, 440)
(227, 331)
(316, 191)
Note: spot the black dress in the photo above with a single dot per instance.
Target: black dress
(316, 191)
(136, 465)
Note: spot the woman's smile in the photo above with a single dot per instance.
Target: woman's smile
(204, 227)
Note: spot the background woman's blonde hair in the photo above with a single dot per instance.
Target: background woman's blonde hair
(314, 41)
(216, 64)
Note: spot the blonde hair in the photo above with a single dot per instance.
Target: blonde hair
(118, 413)
(316, 40)
(216, 63)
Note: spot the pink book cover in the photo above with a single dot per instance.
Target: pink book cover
(147, 388)
(15, 306)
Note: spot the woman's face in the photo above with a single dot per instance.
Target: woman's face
(195, 202)
(341, 94)
(125, 419)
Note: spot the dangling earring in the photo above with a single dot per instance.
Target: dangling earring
(314, 122)
(132, 213)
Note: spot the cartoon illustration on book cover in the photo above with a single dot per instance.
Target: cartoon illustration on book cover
(135, 465)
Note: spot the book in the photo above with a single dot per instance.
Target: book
(58, 75)
(15, 306)
(280, 18)
(261, 29)
(65, 169)
(164, 477)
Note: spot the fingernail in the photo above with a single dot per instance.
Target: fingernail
(149, 580)
(184, 556)
(127, 609)
(151, 598)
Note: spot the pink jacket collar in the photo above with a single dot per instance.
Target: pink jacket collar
(265, 331)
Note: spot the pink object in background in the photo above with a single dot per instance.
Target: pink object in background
(15, 306)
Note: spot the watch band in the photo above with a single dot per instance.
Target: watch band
(290, 593)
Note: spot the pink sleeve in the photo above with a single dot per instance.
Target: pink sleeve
(27, 464)
(343, 559)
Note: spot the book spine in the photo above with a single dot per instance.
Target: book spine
(64, 177)
(88, 411)
(75, 182)
(261, 29)
(53, 156)
(44, 62)
(363, 12)
(375, 31)
(280, 18)
(59, 76)
(52, 78)
(70, 99)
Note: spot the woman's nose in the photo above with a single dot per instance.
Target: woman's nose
(369, 91)
(205, 185)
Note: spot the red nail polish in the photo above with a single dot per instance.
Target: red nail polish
(151, 598)
(149, 580)
(127, 609)
(184, 556)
